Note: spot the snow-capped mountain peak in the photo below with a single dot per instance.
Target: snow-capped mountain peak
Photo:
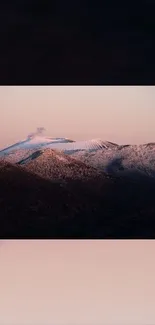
(63, 144)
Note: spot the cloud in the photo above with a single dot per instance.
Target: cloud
(39, 131)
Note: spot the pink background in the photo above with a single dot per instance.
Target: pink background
(77, 282)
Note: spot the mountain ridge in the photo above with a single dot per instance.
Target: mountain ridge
(106, 156)
(57, 143)
(34, 207)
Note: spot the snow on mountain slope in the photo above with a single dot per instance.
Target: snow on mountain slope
(123, 160)
(34, 142)
(90, 145)
(128, 160)
(17, 155)
(63, 144)
(52, 164)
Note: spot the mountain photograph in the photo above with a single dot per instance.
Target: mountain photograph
(71, 186)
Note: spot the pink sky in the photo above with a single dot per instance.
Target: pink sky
(120, 113)
(77, 282)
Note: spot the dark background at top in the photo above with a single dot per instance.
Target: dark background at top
(77, 42)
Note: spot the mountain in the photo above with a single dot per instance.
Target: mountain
(34, 142)
(52, 164)
(60, 188)
(96, 207)
(117, 160)
(63, 144)
(136, 161)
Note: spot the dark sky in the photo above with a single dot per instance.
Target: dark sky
(77, 42)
